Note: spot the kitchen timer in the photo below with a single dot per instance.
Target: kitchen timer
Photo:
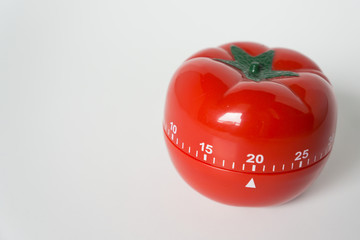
(249, 125)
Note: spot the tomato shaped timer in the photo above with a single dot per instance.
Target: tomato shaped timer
(247, 125)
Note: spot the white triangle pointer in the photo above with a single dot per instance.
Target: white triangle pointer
(251, 184)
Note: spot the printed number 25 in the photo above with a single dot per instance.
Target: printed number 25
(302, 155)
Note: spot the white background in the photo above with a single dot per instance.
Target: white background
(82, 90)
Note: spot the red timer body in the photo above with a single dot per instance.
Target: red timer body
(247, 125)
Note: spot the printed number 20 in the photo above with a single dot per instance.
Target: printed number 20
(258, 158)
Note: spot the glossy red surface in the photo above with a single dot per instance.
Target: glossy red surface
(223, 128)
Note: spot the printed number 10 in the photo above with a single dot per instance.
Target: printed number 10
(173, 127)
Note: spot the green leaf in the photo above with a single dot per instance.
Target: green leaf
(255, 68)
(266, 59)
(232, 63)
(274, 74)
(240, 55)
